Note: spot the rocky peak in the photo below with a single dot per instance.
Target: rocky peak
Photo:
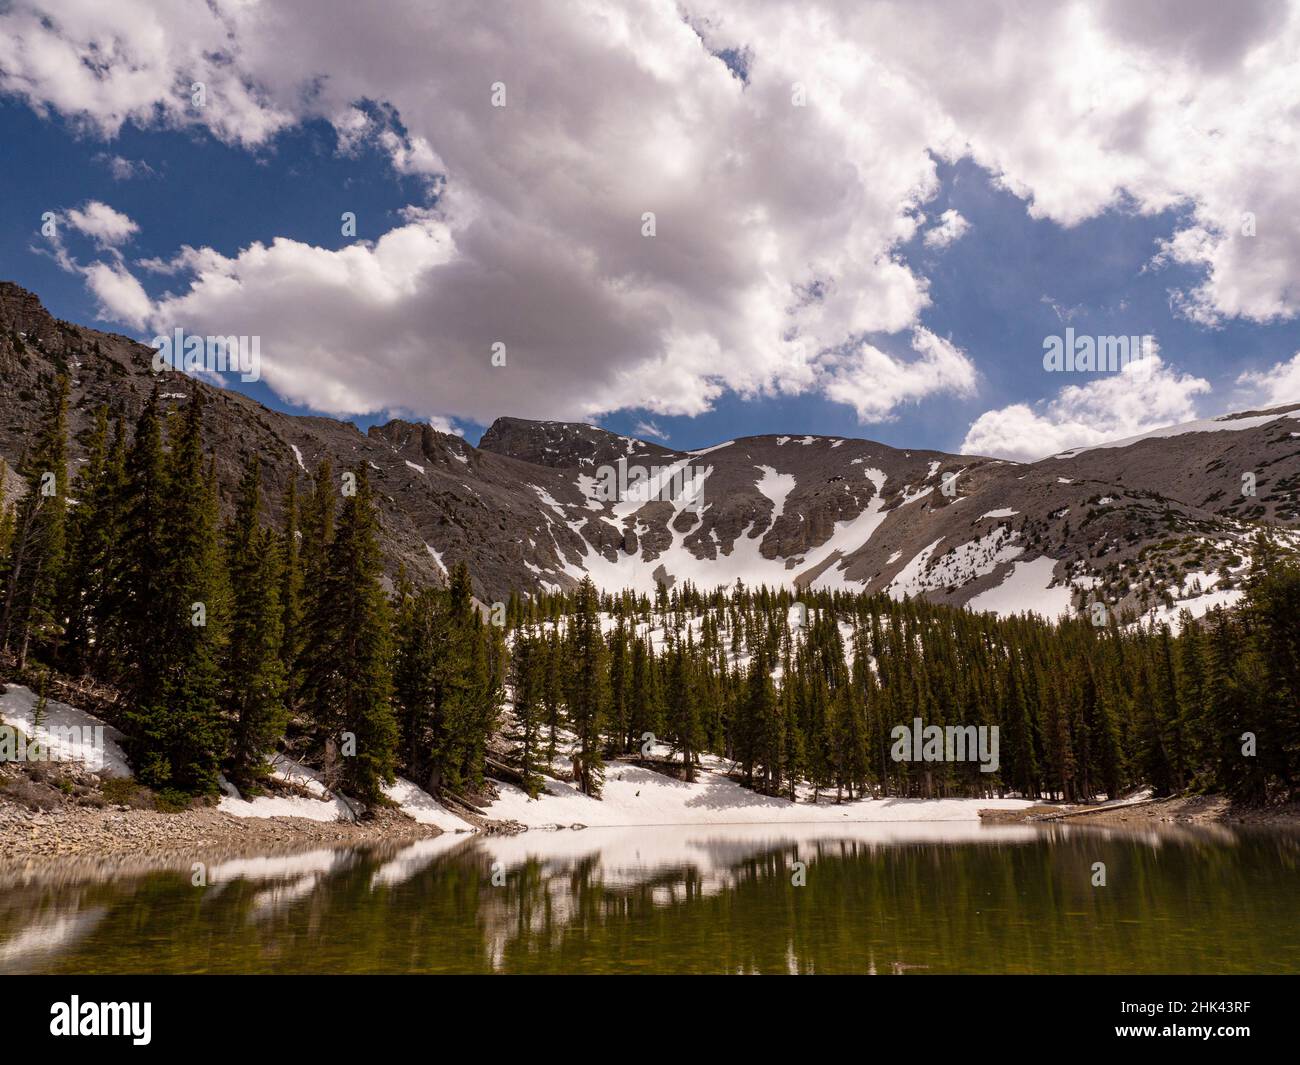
(566, 445)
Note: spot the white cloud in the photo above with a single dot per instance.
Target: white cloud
(1145, 395)
(875, 383)
(777, 225)
(1277, 385)
(121, 297)
(124, 169)
(138, 61)
(649, 428)
(446, 425)
(951, 226)
(104, 225)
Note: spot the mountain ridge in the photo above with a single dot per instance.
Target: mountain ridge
(528, 509)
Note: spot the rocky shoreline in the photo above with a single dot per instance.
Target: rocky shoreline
(77, 837)
(1178, 809)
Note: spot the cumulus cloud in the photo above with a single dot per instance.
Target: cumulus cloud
(1147, 394)
(951, 226)
(875, 383)
(779, 197)
(1278, 385)
(104, 225)
(137, 61)
(121, 297)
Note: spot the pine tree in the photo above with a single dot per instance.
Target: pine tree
(1191, 698)
(94, 530)
(136, 579)
(317, 529)
(254, 678)
(553, 688)
(527, 677)
(348, 683)
(466, 682)
(681, 704)
(588, 689)
(1152, 751)
(769, 723)
(757, 740)
(1019, 756)
(792, 752)
(620, 711)
(33, 572)
(1272, 612)
(849, 730)
(1168, 710)
(420, 640)
(290, 567)
(176, 725)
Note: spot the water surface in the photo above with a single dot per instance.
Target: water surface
(885, 898)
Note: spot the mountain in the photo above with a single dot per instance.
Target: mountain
(1146, 525)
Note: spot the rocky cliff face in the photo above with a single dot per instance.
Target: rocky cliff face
(1148, 524)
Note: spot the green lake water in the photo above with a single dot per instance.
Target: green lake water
(895, 898)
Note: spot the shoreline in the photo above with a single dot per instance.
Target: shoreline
(77, 843)
(1170, 810)
(79, 836)
(78, 839)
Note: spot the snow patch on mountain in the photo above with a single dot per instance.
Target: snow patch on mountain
(776, 486)
(1223, 423)
(1026, 589)
(850, 537)
(909, 580)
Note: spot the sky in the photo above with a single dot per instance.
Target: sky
(686, 221)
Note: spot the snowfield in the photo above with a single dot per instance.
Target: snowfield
(634, 797)
(1223, 423)
(1026, 588)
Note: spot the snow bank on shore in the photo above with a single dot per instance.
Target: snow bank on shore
(634, 796)
(65, 733)
(419, 805)
(318, 805)
(323, 805)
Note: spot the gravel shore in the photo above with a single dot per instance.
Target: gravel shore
(1181, 810)
(75, 838)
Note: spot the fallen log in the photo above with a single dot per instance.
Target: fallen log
(1099, 809)
(500, 771)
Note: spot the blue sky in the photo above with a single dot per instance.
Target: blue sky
(997, 292)
(467, 231)
(196, 191)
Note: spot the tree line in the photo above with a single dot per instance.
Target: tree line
(227, 638)
(803, 690)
